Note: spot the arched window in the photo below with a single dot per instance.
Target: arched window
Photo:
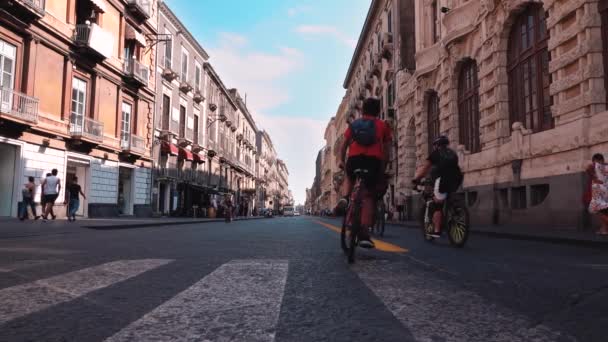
(468, 107)
(528, 65)
(433, 117)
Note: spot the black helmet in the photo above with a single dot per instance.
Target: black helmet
(441, 141)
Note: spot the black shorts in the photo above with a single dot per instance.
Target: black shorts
(50, 198)
(371, 164)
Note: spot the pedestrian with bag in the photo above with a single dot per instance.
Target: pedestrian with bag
(29, 193)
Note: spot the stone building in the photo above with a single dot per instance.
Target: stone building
(520, 88)
(180, 125)
(245, 157)
(330, 167)
(77, 95)
(385, 49)
(267, 185)
(283, 180)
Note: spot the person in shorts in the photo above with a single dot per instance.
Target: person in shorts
(51, 187)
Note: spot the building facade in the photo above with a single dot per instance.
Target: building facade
(78, 96)
(180, 126)
(520, 88)
(386, 48)
(268, 185)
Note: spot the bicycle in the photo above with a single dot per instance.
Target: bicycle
(380, 217)
(349, 238)
(455, 216)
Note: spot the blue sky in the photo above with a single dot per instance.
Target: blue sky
(290, 58)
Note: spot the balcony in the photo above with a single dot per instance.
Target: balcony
(132, 144)
(29, 9)
(377, 68)
(163, 172)
(184, 86)
(198, 97)
(185, 136)
(137, 71)
(18, 107)
(168, 72)
(94, 39)
(387, 45)
(83, 128)
(141, 8)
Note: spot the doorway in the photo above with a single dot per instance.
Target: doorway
(8, 155)
(81, 170)
(125, 193)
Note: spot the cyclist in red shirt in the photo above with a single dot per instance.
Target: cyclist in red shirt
(368, 140)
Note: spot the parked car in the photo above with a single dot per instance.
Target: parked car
(297, 213)
(288, 211)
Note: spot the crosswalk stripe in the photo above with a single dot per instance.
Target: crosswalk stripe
(435, 310)
(24, 299)
(239, 301)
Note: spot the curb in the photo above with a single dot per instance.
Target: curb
(161, 224)
(527, 237)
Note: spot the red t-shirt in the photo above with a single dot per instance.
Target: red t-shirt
(383, 135)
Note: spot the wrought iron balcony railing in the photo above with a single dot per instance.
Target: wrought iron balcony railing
(137, 71)
(19, 106)
(143, 7)
(35, 6)
(83, 127)
(131, 143)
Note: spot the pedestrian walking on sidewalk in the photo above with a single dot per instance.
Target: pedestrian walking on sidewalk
(73, 199)
(51, 188)
(29, 193)
(598, 171)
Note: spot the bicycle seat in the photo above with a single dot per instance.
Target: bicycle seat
(360, 172)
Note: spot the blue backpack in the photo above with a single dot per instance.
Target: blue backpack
(364, 132)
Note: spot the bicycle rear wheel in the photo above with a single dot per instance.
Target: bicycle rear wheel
(458, 226)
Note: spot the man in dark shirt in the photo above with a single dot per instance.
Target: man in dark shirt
(445, 174)
(74, 190)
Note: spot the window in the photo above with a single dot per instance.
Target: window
(603, 8)
(390, 95)
(182, 121)
(433, 118)
(168, 50)
(197, 77)
(195, 139)
(79, 100)
(184, 75)
(434, 23)
(528, 66)
(8, 53)
(125, 128)
(389, 17)
(468, 107)
(518, 198)
(166, 119)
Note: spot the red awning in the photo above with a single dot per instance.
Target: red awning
(185, 154)
(169, 148)
(197, 158)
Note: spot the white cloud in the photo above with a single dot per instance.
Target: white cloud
(256, 73)
(326, 30)
(262, 76)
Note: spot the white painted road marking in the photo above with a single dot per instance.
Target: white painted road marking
(22, 300)
(239, 301)
(435, 310)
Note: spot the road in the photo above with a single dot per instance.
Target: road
(286, 280)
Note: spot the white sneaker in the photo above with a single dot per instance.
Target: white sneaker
(366, 244)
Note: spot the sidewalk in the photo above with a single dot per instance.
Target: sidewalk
(13, 228)
(563, 236)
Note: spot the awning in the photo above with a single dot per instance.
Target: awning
(132, 34)
(197, 158)
(185, 154)
(100, 4)
(169, 148)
